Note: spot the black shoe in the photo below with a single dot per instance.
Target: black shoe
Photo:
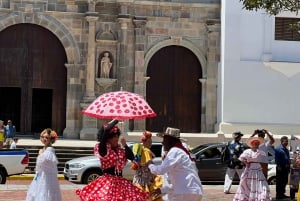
(282, 197)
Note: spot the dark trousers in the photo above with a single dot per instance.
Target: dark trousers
(282, 175)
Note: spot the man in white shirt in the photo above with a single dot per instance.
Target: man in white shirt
(180, 168)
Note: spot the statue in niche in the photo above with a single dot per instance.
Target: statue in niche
(105, 65)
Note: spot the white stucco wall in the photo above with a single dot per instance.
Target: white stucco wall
(254, 90)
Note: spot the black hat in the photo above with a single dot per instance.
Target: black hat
(237, 134)
(103, 132)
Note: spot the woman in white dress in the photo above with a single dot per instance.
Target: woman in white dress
(253, 184)
(45, 185)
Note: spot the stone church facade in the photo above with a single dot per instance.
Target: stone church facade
(129, 33)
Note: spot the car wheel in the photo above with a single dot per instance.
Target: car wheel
(2, 177)
(90, 176)
(272, 181)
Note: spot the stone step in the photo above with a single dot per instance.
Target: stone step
(63, 154)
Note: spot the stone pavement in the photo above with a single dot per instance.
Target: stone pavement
(16, 186)
(15, 190)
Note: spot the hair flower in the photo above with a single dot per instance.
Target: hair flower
(54, 134)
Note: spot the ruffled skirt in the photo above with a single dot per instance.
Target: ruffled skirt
(111, 188)
(253, 186)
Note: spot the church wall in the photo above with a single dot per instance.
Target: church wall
(131, 31)
(260, 75)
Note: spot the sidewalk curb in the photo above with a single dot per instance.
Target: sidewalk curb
(30, 177)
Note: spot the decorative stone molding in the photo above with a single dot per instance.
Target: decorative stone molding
(29, 6)
(106, 83)
(288, 69)
(152, 40)
(176, 40)
(139, 22)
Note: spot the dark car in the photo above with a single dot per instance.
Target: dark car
(211, 164)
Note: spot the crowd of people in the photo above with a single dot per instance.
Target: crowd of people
(7, 135)
(175, 179)
(250, 162)
(178, 166)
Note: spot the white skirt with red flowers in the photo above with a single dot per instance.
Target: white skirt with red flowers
(111, 188)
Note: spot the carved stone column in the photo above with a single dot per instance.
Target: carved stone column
(203, 104)
(89, 125)
(124, 20)
(90, 71)
(140, 125)
(139, 64)
(92, 4)
(213, 59)
(75, 89)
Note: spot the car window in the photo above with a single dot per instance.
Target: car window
(197, 149)
(214, 152)
(156, 149)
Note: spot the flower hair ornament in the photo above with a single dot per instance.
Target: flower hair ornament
(111, 127)
(146, 135)
(53, 135)
(110, 130)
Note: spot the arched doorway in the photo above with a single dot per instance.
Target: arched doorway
(33, 79)
(174, 90)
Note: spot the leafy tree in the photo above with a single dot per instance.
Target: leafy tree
(272, 7)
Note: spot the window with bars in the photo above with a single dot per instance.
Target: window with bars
(287, 29)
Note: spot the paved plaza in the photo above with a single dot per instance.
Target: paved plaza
(15, 190)
(16, 186)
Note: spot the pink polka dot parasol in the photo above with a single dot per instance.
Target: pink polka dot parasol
(119, 105)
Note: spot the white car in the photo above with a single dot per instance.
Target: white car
(12, 162)
(271, 174)
(86, 169)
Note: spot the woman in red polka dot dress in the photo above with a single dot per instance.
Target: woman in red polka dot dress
(111, 186)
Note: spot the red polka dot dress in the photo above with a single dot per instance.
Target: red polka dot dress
(110, 187)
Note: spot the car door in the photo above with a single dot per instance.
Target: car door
(210, 164)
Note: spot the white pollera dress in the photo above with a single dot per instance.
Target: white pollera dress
(253, 184)
(45, 185)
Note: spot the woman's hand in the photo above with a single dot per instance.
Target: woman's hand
(123, 141)
(156, 193)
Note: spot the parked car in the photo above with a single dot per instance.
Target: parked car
(272, 174)
(86, 169)
(212, 167)
(12, 162)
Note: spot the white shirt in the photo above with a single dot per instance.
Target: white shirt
(264, 147)
(182, 173)
(13, 145)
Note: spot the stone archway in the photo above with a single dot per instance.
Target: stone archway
(73, 64)
(199, 54)
(50, 23)
(174, 90)
(32, 63)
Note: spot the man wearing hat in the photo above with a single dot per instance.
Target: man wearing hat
(180, 168)
(234, 149)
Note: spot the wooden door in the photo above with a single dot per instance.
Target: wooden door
(31, 57)
(174, 90)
